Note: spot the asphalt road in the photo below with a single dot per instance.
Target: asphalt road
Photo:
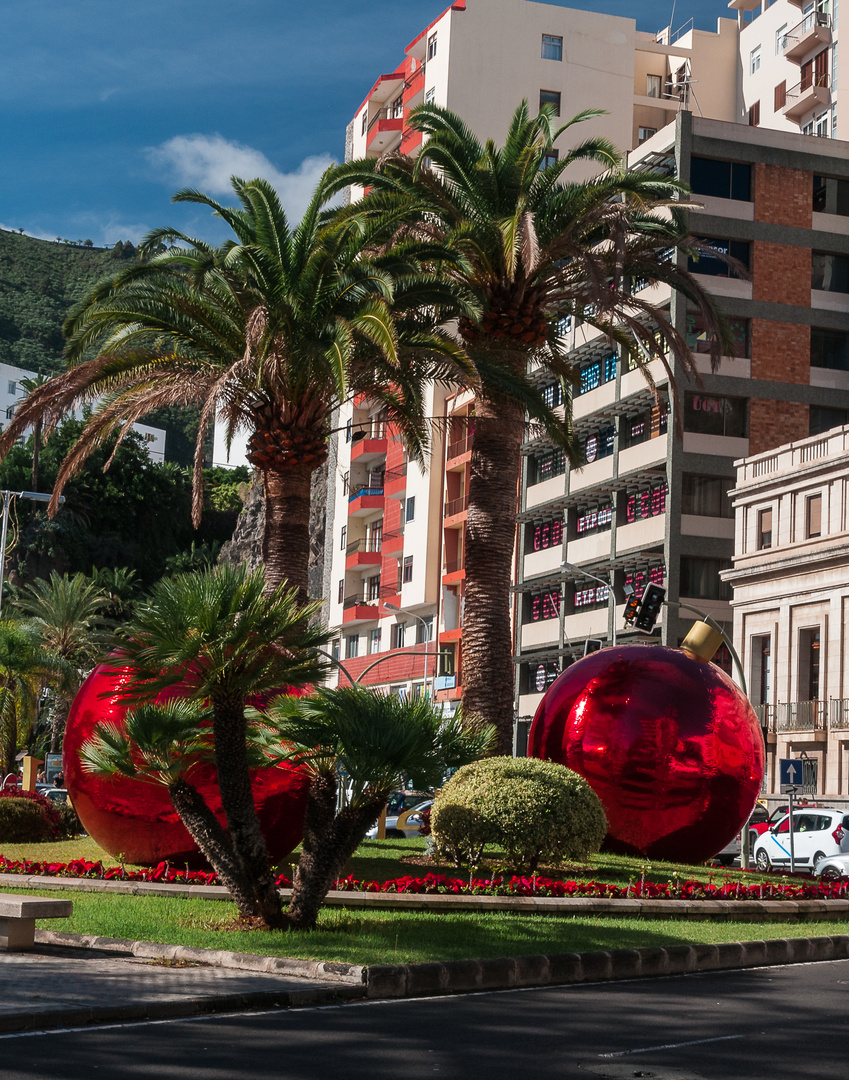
(770, 1023)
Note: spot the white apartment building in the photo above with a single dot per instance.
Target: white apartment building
(791, 601)
(12, 392)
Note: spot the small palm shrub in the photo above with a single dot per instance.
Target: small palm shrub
(26, 817)
(533, 810)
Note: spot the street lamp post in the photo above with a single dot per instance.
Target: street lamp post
(601, 581)
(400, 611)
(33, 496)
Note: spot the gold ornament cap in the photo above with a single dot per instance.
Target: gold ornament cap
(702, 641)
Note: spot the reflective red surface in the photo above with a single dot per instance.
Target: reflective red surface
(669, 744)
(136, 819)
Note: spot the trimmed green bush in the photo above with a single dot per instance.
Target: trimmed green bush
(23, 821)
(533, 810)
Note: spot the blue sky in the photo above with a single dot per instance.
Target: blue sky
(106, 109)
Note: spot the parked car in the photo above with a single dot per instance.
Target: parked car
(817, 833)
(730, 853)
(56, 795)
(762, 819)
(832, 868)
(404, 824)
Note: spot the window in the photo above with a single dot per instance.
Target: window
(13, 387)
(822, 419)
(550, 97)
(700, 578)
(706, 496)
(343, 537)
(410, 510)
(593, 520)
(760, 679)
(813, 516)
(349, 430)
(755, 60)
(336, 648)
(721, 179)
(341, 596)
(830, 273)
(780, 34)
(593, 596)
(755, 114)
(597, 373)
(654, 86)
(431, 46)
(552, 47)
(542, 606)
(373, 588)
(374, 641)
(830, 349)
(764, 529)
(599, 445)
(638, 579)
(648, 503)
(549, 159)
(547, 466)
(542, 535)
(552, 395)
(644, 133)
(809, 663)
(537, 676)
(396, 635)
(397, 108)
(364, 123)
(710, 415)
(352, 646)
(831, 196)
(698, 338)
(408, 569)
(714, 262)
(429, 99)
(10, 412)
(780, 96)
(821, 125)
(424, 630)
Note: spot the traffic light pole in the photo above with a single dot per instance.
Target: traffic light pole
(712, 622)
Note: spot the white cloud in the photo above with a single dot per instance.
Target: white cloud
(208, 161)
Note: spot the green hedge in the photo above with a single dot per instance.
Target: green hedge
(23, 821)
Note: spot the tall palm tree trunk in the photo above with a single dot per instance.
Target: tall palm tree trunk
(231, 760)
(286, 535)
(214, 844)
(490, 533)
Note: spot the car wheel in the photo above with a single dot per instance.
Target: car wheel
(763, 861)
(831, 873)
(819, 855)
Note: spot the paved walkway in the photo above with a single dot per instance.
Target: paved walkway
(57, 986)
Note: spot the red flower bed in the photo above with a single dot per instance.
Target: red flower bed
(805, 889)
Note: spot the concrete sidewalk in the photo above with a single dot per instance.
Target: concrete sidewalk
(62, 986)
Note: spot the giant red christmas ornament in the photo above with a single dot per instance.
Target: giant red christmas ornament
(669, 744)
(135, 819)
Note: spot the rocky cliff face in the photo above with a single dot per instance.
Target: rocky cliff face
(246, 543)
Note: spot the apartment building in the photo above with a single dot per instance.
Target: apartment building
(790, 579)
(12, 392)
(650, 507)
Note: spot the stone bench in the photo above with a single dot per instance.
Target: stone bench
(18, 915)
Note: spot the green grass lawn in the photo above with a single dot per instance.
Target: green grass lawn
(392, 937)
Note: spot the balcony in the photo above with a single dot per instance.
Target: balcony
(384, 131)
(393, 543)
(365, 500)
(814, 31)
(797, 715)
(454, 570)
(361, 607)
(395, 482)
(363, 553)
(802, 99)
(454, 511)
(748, 5)
(458, 449)
(367, 450)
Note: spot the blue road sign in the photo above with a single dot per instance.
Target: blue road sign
(789, 774)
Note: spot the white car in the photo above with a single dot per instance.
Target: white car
(833, 868)
(817, 834)
(403, 825)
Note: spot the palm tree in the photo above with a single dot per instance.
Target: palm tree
(29, 384)
(67, 613)
(218, 635)
(25, 668)
(271, 332)
(378, 742)
(532, 248)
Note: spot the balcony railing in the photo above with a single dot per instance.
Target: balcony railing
(371, 544)
(461, 446)
(365, 491)
(357, 599)
(804, 34)
(456, 506)
(453, 565)
(385, 114)
(838, 714)
(397, 473)
(805, 94)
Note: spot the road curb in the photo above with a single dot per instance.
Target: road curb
(500, 973)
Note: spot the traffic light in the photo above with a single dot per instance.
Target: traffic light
(632, 606)
(650, 608)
